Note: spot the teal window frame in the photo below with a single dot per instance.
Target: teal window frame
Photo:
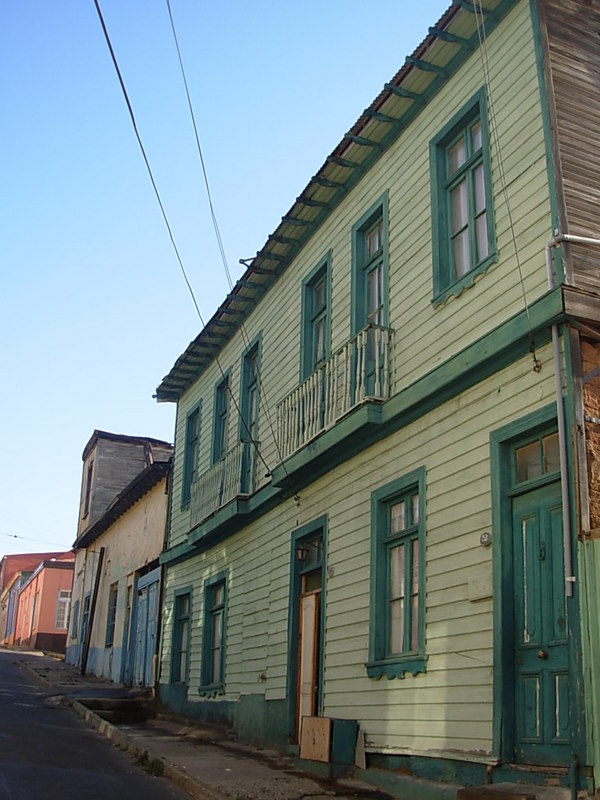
(249, 410)
(221, 407)
(191, 450)
(180, 643)
(303, 537)
(215, 608)
(315, 313)
(364, 264)
(412, 659)
(446, 282)
(111, 615)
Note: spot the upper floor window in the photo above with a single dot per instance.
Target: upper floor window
(462, 214)
(221, 419)
(370, 268)
(397, 628)
(249, 412)
(316, 302)
(88, 488)
(190, 456)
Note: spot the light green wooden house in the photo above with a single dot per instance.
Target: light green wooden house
(385, 502)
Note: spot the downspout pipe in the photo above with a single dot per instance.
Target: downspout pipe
(562, 436)
(560, 411)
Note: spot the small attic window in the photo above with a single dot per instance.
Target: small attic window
(88, 488)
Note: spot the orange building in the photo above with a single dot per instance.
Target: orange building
(44, 605)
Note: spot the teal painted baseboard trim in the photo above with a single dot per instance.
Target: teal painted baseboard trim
(437, 778)
(253, 719)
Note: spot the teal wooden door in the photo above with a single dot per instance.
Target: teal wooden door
(542, 708)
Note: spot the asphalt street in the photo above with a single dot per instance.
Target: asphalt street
(46, 752)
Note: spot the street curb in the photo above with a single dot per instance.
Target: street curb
(176, 775)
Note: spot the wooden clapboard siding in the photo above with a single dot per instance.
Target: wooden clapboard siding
(449, 706)
(426, 336)
(572, 29)
(420, 713)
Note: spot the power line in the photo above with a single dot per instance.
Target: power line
(485, 67)
(166, 220)
(263, 399)
(28, 539)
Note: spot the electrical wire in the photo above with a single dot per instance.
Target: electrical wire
(262, 394)
(481, 35)
(39, 541)
(165, 218)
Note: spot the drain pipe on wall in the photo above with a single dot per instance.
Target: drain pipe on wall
(560, 411)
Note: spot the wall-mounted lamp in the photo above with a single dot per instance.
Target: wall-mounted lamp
(301, 552)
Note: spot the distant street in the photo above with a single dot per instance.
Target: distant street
(46, 752)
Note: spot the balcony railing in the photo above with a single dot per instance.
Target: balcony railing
(358, 371)
(219, 484)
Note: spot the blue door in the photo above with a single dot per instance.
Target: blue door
(146, 628)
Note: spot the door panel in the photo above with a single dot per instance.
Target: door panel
(540, 629)
(141, 620)
(307, 677)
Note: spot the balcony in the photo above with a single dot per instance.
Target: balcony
(359, 371)
(225, 480)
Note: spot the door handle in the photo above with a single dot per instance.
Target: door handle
(542, 654)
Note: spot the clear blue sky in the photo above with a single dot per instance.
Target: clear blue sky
(94, 309)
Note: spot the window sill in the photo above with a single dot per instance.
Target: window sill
(211, 690)
(454, 289)
(395, 668)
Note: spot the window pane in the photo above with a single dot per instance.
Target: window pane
(476, 137)
(479, 187)
(458, 197)
(551, 453)
(528, 462)
(415, 566)
(218, 595)
(462, 256)
(414, 592)
(414, 631)
(373, 238)
(396, 627)
(457, 155)
(398, 519)
(415, 509)
(320, 294)
(397, 572)
(482, 237)
(319, 340)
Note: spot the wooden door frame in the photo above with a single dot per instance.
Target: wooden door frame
(300, 535)
(502, 444)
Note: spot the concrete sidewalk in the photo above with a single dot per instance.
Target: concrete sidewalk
(208, 765)
(198, 758)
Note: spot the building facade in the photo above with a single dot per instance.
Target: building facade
(15, 570)
(384, 505)
(44, 604)
(116, 595)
